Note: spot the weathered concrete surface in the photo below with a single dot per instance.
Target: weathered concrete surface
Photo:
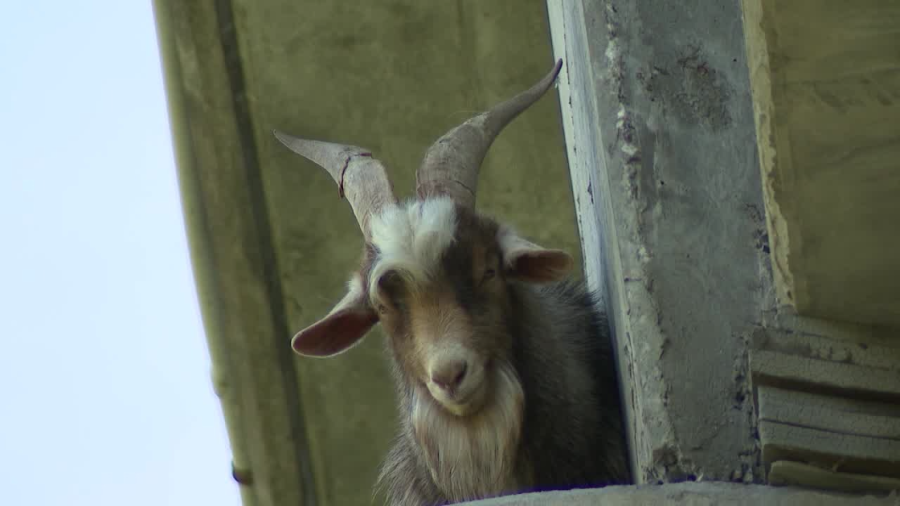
(272, 243)
(826, 88)
(806, 475)
(662, 149)
(661, 141)
(692, 494)
(828, 406)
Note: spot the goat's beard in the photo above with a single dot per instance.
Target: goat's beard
(473, 457)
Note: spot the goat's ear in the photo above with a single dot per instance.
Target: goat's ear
(529, 262)
(344, 327)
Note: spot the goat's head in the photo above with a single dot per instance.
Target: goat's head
(435, 273)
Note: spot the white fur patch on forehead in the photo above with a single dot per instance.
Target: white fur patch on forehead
(411, 237)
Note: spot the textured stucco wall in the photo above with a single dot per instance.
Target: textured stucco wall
(826, 97)
(271, 237)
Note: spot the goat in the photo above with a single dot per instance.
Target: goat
(504, 371)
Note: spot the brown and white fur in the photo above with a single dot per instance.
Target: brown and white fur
(538, 405)
(504, 371)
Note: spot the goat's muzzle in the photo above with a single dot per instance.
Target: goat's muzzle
(458, 381)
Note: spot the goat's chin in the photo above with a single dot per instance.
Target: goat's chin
(472, 403)
(472, 455)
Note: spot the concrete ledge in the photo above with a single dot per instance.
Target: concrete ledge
(692, 493)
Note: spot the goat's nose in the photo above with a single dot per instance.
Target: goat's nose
(449, 375)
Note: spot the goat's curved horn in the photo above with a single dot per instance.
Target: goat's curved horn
(360, 177)
(451, 164)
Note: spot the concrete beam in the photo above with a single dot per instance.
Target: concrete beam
(231, 256)
(826, 90)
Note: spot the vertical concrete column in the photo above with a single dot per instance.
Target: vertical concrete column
(661, 143)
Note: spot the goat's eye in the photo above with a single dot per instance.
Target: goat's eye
(391, 287)
(488, 274)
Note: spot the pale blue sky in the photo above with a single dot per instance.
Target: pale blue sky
(105, 393)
